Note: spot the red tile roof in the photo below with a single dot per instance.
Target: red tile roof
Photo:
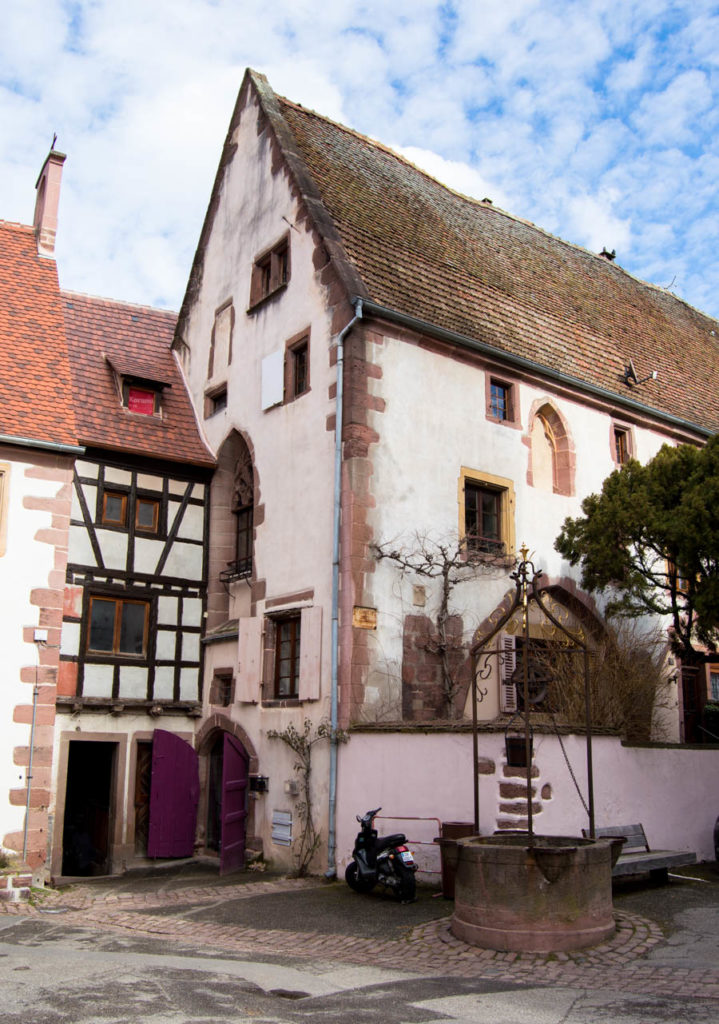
(35, 383)
(410, 244)
(103, 333)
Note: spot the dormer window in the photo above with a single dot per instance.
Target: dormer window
(139, 385)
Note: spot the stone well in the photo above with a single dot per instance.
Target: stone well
(554, 896)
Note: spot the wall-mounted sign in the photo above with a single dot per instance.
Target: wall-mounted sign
(364, 618)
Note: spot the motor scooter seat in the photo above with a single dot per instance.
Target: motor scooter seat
(398, 839)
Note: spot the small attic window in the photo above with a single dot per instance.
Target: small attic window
(139, 385)
(271, 272)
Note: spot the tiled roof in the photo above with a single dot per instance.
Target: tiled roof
(472, 269)
(35, 385)
(101, 332)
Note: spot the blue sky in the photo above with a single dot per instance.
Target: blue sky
(598, 120)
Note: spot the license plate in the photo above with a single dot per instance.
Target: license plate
(407, 857)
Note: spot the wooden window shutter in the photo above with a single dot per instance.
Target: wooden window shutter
(507, 689)
(310, 653)
(249, 675)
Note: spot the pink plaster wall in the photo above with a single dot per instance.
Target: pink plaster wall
(419, 776)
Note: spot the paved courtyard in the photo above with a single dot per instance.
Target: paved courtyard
(308, 940)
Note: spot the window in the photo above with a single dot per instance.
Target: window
(270, 272)
(118, 626)
(243, 561)
(297, 367)
(114, 508)
(287, 657)
(621, 445)
(714, 682)
(272, 665)
(147, 515)
(299, 359)
(221, 688)
(215, 401)
(486, 510)
(500, 400)
(482, 519)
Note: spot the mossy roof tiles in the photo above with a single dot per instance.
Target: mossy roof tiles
(35, 386)
(465, 266)
(103, 333)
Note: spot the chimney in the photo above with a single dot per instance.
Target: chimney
(47, 202)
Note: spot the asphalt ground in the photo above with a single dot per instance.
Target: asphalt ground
(179, 944)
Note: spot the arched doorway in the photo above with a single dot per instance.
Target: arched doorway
(227, 762)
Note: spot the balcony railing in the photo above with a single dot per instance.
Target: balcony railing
(239, 569)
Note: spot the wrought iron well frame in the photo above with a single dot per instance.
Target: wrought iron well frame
(528, 591)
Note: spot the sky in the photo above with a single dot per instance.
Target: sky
(598, 120)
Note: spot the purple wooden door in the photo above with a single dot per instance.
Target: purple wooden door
(234, 805)
(174, 793)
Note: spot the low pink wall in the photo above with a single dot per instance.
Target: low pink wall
(426, 776)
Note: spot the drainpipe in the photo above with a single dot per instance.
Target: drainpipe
(35, 694)
(332, 826)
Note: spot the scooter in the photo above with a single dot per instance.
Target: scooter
(385, 861)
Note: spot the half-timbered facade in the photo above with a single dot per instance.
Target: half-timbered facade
(130, 681)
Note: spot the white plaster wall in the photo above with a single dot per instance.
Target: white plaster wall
(26, 564)
(293, 450)
(434, 424)
(414, 775)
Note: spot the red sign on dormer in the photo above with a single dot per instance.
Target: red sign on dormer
(141, 400)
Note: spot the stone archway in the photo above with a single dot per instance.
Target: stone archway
(211, 744)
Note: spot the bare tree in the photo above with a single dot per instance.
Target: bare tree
(449, 562)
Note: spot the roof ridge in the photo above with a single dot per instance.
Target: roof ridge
(489, 206)
(70, 293)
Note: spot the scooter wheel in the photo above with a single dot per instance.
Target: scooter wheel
(354, 881)
(407, 890)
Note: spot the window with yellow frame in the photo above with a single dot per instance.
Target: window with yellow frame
(486, 513)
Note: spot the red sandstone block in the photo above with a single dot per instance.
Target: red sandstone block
(520, 807)
(511, 790)
(67, 679)
(72, 602)
(50, 536)
(44, 714)
(59, 473)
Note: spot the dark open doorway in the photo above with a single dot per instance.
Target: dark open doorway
(88, 810)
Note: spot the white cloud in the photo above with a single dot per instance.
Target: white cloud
(595, 226)
(599, 121)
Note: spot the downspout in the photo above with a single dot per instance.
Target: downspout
(336, 525)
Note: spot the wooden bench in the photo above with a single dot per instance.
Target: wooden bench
(636, 856)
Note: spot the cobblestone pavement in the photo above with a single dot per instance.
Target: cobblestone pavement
(630, 962)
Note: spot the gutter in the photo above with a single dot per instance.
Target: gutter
(422, 326)
(336, 524)
(50, 446)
